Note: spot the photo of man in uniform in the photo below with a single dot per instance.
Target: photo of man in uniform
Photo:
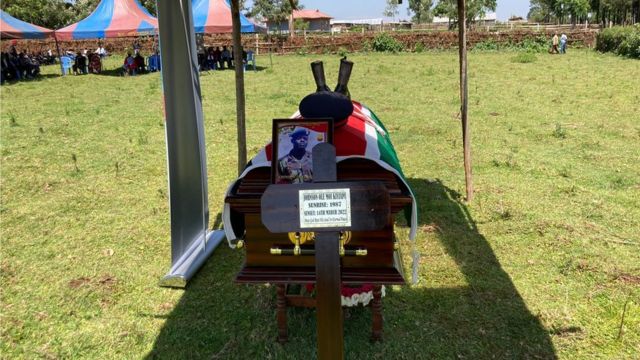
(297, 166)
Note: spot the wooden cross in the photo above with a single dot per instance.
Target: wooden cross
(326, 207)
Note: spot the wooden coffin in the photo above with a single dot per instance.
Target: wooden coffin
(381, 265)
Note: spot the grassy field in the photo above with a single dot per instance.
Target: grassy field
(540, 265)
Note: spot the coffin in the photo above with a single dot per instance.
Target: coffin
(381, 265)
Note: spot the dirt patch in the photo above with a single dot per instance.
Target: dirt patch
(627, 278)
(430, 228)
(107, 282)
(81, 281)
(165, 306)
(566, 331)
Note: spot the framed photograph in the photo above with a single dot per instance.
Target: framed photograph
(293, 142)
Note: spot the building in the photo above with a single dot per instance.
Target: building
(487, 19)
(317, 20)
(345, 25)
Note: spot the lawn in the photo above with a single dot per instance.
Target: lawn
(542, 264)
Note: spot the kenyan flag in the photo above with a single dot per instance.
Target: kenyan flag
(363, 135)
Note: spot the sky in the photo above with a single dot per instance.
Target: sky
(370, 9)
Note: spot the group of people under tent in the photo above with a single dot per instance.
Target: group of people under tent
(215, 58)
(23, 65)
(85, 62)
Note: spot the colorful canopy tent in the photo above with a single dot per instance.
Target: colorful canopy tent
(214, 16)
(112, 18)
(12, 28)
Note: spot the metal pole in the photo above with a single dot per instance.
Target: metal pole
(55, 38)
(239, 68)
(464, 93)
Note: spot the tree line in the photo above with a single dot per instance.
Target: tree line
(423, 11)
(55, 14)
(619, 12)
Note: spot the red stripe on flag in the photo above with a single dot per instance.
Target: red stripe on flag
(349, 139)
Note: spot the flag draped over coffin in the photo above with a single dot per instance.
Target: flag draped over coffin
(362, 136)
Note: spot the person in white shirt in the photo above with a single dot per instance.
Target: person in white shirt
(563, 43)
(101, 51)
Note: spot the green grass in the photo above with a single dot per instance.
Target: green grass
(539, 265)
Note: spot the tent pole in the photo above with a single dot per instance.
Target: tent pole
(239, 68)
(55, 38)
(464, 95)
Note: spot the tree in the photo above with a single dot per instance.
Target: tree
(603, 11)
(52, 14)
(474, 8)
(392, 9)
(84, 8)
(276, 11)
(301, 24)
(421, 9)
(541, 11)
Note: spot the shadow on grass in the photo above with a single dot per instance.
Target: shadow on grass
(39, 77)
(118, 72)
(485, 319)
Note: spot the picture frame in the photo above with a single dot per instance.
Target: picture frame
(291, 155)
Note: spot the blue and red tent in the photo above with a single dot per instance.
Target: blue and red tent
(214, 16)
(12, 28)
(112, 18)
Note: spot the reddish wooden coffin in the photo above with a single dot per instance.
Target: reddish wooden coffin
(381, 265)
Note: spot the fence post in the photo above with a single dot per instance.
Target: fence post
(257, 44)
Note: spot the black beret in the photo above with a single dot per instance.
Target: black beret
(326, 104)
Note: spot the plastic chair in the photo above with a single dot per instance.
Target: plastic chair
(66, 65)
(152, 63)
(250, 58)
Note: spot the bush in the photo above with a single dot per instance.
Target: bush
(419, 47)
(384, 42)
(620, 40)
(524, 58)
(489, 45)
(538, 44)
(366, 46)
(631, 45)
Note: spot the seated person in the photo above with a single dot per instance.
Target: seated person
(13, 67)
(217, 55)
(226, 57)
(71, 54)
(154, 62)
(80, 64)
(27, 67)
(129, 65)
(101, 51)
(139, 62)
(211, 59)
(95, 65)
